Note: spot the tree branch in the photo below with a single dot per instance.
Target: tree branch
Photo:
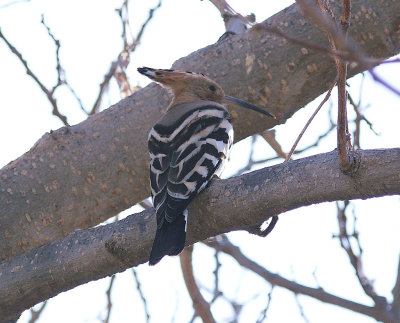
(86, 255)
(318, 293)
(200, 305)
(356, 260)
(76, 177)
(49, 93)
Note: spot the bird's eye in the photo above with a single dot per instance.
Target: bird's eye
(212, 88)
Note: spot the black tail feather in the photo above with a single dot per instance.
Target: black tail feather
(169, 240)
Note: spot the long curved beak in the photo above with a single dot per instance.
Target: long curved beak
(247, 105)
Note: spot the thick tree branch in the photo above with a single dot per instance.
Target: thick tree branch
(86, 255)
(77, 177)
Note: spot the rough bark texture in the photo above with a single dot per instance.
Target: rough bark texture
(94, 253)
(77, 177)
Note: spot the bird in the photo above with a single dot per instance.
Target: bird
(188, 147)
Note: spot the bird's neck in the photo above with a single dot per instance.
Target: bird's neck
(183, 97)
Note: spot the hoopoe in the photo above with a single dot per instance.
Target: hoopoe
(188, 147)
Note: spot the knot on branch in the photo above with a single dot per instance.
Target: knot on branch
(351, 163)
(116, 246)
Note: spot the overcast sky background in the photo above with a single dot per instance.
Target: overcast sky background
(301, 244)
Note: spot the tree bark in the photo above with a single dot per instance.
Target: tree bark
(94, 253)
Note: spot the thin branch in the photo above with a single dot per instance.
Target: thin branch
(109, 302)
(328, 94)
(140, 291)
(103, 88)
(61, 77)
(355, 259)
(378, 79)
(301, 308)
(318, 293)
(343, 136)
(200, 305)
(118, 67)
(269, 136)
(263, 315)
(46, 91)
(218, 265)
(359, 117)
(144, 25)
(317, 141)
(235, 23)
(35, 314)
(60, 70)
(337, 37)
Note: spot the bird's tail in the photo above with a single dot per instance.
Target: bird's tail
(170, 239)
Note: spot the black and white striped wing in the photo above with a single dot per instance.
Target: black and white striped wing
(184, 156)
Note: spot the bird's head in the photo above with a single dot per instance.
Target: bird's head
(185, 86)
(188, 87)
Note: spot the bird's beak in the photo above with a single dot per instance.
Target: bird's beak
(247, 105)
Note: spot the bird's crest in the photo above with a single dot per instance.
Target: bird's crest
(189, 87)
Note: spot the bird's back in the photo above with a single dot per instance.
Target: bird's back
(188, 146)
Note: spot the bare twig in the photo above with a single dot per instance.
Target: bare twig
(318, 140)
(35, 314)
(118, 67)
(263, 315)
(227, 247)
(144, 25)
(139, 289)
(61, 78)
(103, 88)
(109, 302)
(378, 79)
(337, 37)
(269, 136)
(216, 292)
(60, 70)
(359, 117)
(199, 303)
(49, 93)
(230, 15)
(357, 121)
(343, 136)
(323, 18)
(355, 259)
(301, 308)
(328, 94)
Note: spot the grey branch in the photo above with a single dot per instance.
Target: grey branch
(77, 177)
(94, 253)
(200, 305)
(317, 293)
